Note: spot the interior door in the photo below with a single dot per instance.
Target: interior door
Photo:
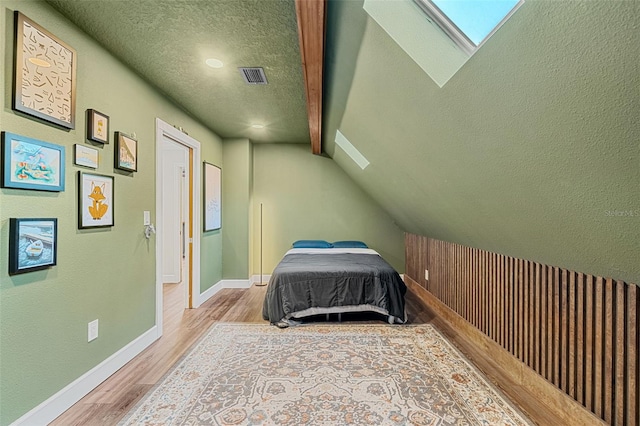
(175, 161)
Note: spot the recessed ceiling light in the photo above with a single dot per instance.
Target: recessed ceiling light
(214, 63)
(258, 126)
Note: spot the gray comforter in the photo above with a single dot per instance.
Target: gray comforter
(331, 282)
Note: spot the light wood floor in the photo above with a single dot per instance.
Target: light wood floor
(111, 400)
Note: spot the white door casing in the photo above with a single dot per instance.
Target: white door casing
(163, 130)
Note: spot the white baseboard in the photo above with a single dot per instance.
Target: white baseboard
(255, 279)
(236, 283)
(47, 411)
(208, 293)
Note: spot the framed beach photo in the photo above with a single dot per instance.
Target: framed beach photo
(33, 244)
(85, 156)
(212, 197)
(97, 126)
(44, 83)
(126, 154)
(31, 164)
(95, 200)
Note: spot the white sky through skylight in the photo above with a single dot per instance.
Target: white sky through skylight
(476, 18)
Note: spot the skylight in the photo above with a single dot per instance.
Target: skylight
(469, 22)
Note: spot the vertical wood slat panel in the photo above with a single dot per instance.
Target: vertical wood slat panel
(608, 352)
(564, 341)
(525, 312)
(543, 321)
(579, 331)
(532, 325)
(550, 338)
(536, 321)
(571, 352)
(556, 327)
(580, 339)
(632, 388)
(598, 349)
(620, 343)
(589, 346)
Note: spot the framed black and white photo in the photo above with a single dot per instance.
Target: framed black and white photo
(33, 244)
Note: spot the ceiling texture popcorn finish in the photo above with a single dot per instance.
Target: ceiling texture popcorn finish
(167, 42)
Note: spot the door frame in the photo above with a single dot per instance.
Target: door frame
(163, 130)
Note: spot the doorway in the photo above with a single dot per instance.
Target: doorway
(177, 218)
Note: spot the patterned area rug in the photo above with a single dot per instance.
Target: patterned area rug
(242, 374)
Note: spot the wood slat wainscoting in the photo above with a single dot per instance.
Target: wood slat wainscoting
(580, 332)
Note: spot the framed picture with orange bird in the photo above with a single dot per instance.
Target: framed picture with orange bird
(95, 200)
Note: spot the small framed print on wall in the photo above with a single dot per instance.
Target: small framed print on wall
(97, 126)
(126, 154)
(95, 200)
(45, 74)
(33, 244)
(85, 156)
(212, 197)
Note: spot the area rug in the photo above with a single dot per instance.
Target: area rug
(240, 374)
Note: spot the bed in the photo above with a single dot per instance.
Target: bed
(316, 281)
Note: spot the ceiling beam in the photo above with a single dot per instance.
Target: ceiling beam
(311, 27)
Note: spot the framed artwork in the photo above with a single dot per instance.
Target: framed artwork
(31, 164)
(85, 156)
(33, 244)
(97, 126)
(44, 74)
(95, 200)
(212, 197)
(126, 155)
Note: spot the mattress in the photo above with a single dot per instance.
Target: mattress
(318, 281)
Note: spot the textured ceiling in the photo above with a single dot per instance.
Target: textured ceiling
(167, 42)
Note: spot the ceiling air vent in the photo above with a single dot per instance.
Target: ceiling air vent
(253, 75)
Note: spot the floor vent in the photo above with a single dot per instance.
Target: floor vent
(253, 75)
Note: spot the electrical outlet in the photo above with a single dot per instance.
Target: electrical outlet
(93, 330)
(426, 274)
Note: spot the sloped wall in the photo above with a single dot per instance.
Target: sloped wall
(530, 150)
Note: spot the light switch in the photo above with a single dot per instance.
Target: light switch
(147, 218)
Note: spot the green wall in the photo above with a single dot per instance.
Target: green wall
(108, 274)
(305, 196)
(236, 190)
(530, 149)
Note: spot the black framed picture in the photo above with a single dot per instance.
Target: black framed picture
(33, 244)
(126, 154)
(97, 126)
(95, 200)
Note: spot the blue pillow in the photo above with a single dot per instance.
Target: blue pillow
(312, 244)
(349, 244)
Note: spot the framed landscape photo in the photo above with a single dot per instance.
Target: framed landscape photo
(126, 154)
(31, 164)
(85, 156)
(212, 197)
(33, 244)
(95, 200)
(44, 83)
(97, 126)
